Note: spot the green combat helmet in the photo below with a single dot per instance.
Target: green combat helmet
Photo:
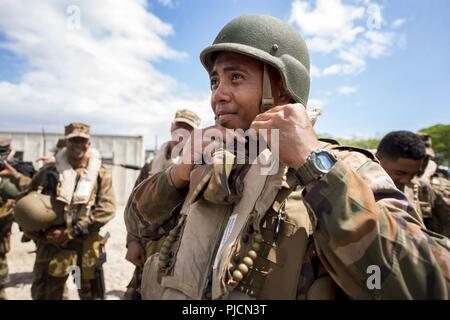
(36, 212)
(272, 41)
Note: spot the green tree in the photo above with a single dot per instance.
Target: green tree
(365, 143)
(440, 135)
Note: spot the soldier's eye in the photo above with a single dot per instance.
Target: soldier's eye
(214, 83)
(237, 76)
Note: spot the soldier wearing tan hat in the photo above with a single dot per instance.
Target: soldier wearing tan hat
(77, 129)
(138, 243)
(80, 188)
(60, 144)
(188, 117)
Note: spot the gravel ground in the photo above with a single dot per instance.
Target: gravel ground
(118, 271)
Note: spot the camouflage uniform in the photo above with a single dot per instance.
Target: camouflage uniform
(431, 193)
(359, 219)
(137, 228)
(432, 202)
(9, 190)
(50, 269)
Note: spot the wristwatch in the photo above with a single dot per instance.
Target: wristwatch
(318, 163)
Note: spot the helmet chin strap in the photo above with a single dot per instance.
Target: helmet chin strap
(267, 98)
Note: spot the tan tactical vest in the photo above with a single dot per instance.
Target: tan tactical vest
(77, 193)
(256, 246)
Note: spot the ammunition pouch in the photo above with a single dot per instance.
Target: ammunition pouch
(91, 255)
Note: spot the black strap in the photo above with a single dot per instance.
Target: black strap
(367, 153)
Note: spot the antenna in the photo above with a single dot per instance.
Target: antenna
(44, 142)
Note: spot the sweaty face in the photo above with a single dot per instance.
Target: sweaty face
(236, 89)
(402, 170)
(77, 148)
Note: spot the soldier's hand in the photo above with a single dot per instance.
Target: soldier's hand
(199, 146)
(297, 138)
(46, 160)
(135, 253)
(9, 171)
(58, 236)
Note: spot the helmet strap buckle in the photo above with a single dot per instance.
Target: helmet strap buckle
(267, 98)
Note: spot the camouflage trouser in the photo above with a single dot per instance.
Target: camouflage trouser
(3, 275)
(50, 271)
(5, 235)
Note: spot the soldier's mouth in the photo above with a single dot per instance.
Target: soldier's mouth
(225, 117)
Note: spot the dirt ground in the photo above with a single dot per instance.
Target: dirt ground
(118, 271)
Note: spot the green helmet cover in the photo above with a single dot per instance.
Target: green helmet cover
(270, 40)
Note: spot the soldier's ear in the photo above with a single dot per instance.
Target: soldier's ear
(284, 96)
(279, 92)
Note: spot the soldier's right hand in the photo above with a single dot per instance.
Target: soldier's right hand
(199, 146)
(135, 253)
(9, 171)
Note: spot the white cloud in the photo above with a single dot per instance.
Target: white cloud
(315, 72)
(166, 3)
(346, 90)
(315, 103)
(102, 73)
(351, 33)
(398, 23)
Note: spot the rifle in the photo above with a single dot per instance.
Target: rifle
(26, 168)
(127, 166)
(99, 274)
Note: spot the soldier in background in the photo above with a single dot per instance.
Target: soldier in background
(63, 210)
(404, 155)
(140, 242)
(11, 183)
(60, 144)
(433, 192)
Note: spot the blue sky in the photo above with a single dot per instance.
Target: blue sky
(378, 65)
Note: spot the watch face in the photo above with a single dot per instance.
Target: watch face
(324, 161)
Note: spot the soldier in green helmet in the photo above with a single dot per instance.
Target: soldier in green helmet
(11, 183)
(312, 228)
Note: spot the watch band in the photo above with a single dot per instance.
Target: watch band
(309, 171)
(305, 173)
